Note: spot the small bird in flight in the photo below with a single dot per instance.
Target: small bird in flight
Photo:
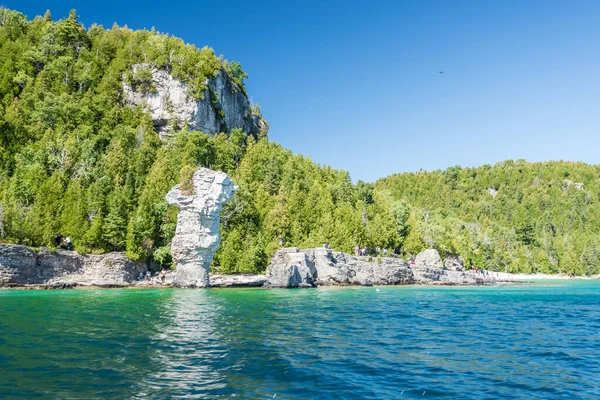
(440, 72)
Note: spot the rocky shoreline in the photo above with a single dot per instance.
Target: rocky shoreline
(292, 267)
(23, 267)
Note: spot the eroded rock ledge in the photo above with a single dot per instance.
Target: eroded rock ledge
(22, 266)
(292, 267)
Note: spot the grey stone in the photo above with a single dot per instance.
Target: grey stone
(197, 236)
(20, 265)
(170, 101)
(292, 267)
(429, 258)
(454, 263)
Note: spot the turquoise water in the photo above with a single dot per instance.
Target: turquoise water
(528, 341)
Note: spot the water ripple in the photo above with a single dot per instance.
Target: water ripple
(529, 341)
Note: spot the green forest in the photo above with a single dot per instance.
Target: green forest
(74, 160)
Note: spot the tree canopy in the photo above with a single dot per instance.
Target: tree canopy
(74, 160)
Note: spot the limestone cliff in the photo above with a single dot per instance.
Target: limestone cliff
(20, 265)
(197, 236)
(224, 106)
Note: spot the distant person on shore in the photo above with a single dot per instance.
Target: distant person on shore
(378, 250)
(326, 245)
(280, 241)
(148, 276)
(68, 243)
(384, 252)
(58, 240)
(357, 250)
(163, 276)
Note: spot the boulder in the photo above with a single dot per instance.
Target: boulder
(169, 100)
(429, 258)
(454, 263)
(198, 236)
(290, 268)
(330, 268)
(429, 270)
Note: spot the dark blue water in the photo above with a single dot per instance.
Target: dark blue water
(529, 341)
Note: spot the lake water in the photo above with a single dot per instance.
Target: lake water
(523, 341)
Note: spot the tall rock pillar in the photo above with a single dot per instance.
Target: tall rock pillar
(197, 236)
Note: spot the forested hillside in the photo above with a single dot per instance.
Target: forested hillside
(522, 216)
(76, 160)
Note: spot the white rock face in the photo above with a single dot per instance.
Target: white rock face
(493, 192)
(197, 236)
(171, 102)
(567, 183)
(292, 267)
(429, 258)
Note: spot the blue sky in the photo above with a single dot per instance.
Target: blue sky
(355, 85)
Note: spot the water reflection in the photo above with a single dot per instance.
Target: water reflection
(188, 347)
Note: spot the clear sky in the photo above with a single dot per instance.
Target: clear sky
(355, 85)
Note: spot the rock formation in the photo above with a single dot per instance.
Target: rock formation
(241, 280)
(454, 263)
(292, 267)
(20, 265)
(568, 183)
(492, 191)
(168, 100)
(197, 236)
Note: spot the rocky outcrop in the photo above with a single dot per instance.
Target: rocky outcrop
(20, 265)
(568, 183)
(428, 269)
(454, 263)
(197, 236)
(224, 106)
(292, 267)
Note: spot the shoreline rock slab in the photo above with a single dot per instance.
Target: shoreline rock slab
(197, 236)
(241, 280)
(20, 265)
(292, 267)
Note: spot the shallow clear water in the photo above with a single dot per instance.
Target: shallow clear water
(527, 341)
